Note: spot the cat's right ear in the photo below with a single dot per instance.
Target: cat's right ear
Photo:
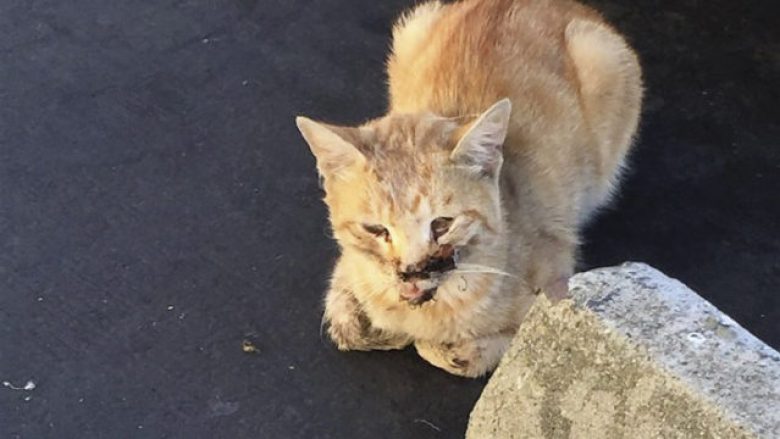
(480, 149)
(334, 154)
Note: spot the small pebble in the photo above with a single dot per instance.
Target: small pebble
(248, 347)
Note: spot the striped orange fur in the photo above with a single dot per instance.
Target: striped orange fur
(509, 124)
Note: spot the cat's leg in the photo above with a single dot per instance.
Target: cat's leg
(558, 289)
(469, 358)
(551, 262)
(610, 81)
(350, 328)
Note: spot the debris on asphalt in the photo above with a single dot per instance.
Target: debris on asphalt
(428, 423)
(249, 347)
(30, 385)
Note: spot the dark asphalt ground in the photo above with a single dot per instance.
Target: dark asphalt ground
(157, 207)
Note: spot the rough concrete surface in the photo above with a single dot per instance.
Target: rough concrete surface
(689, 337)
(620, 361)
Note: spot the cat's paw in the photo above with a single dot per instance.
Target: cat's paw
(464, 359)
(345, 334)
(468, 358)
(355, 333)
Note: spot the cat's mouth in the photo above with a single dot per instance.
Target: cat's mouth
(420, 286)
(417, 293)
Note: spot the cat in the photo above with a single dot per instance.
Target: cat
(508, 127)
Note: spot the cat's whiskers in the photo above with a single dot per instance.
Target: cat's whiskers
(480, 269)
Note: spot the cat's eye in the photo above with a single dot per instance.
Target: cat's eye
(377, 230)
(440, 226)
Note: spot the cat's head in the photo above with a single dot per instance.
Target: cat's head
(417, 194)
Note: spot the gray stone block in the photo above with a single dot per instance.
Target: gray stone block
(634, 354)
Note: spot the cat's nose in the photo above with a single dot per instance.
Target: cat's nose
(413, 272)
(411, 268)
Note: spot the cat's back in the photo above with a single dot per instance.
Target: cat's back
(458, 58)
(574, 83)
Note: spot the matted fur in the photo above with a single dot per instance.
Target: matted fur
(575, 91)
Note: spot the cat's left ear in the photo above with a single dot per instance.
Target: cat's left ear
(481, 148)
(329, 144)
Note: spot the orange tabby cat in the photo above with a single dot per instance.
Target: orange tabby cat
(508, 126)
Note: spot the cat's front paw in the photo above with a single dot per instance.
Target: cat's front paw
(463, 359)
(355, 333)
(468, 358)
(347, 334)
(350, 328)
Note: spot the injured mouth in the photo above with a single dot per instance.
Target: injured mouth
(412, 294)
(418, 287)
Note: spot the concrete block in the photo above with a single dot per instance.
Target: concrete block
(633, 354)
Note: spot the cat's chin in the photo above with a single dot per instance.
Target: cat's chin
(424, 296)
(419, 292)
